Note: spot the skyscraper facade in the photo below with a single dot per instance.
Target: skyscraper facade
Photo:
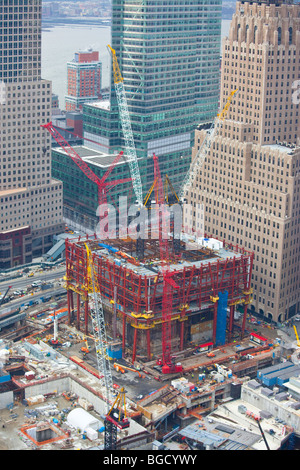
(31, 200)
(249, 183)
(169, 56)
(84, 75)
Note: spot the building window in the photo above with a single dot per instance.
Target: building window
(279, 35)
(290, 35)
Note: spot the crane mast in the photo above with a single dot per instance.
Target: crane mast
(127, 130)
(115, 416)
(97, 317)
(168, 283)
(204, 149)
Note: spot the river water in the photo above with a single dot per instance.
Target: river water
(60, 42)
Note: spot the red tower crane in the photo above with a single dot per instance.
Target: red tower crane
(168, 365)
(103, 185)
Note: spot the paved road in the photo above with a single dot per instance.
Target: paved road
(26, 298)
(21, 282)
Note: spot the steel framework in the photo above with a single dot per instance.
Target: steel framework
(139, 296)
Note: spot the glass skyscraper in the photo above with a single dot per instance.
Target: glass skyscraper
(169, 55)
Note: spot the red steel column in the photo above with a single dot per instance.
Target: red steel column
(148, 345)
(181, 335)
(124, 335)
(231, 316)
(72, 304)
(69, 306)
(134, 345)
(78, 311)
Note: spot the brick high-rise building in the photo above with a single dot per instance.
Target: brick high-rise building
(249, 183)
(31, 200)
(84, 80)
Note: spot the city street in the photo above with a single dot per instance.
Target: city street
(25, 299)
(21, 282)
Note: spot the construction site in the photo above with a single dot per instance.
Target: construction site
(154, 337)
(53, 395)
(164, 361)
(207, 286)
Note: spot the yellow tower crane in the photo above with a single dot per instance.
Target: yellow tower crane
(297, 337)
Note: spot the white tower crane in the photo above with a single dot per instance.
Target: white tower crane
(130, 153)
(204, 149)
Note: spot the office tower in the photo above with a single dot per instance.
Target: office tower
(31, 200)
(249, 183)
(55, 101)
(84, 74)
(169, 56)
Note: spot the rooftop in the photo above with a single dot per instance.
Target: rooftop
(151, 264)
(220, 436)
(283, 147)
(237, 416)
(103, 104)
(94, 157)
(269, 2)
(7, 192)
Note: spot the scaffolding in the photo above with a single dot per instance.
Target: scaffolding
(200, 274)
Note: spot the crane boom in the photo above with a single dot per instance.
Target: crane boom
(162, 223)
(297, 337)
(99, 330)
(5, 294)
(131, 156)
(115, 416)
(168, 283)
(71, 152)
(102, 184)
(204, 149)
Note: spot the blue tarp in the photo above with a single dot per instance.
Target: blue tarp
(221, 318)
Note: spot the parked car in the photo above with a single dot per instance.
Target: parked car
(36, 284)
